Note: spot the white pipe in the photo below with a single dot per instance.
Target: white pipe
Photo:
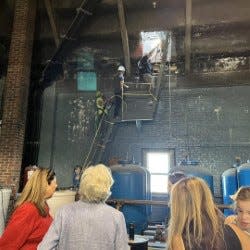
(4, 204)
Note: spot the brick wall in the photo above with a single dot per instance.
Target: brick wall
(16, 93)
(211, 125)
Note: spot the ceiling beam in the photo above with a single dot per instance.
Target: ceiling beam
(166, 19)
(55, 65)
(52, 21)
(224, 30)
(124, 35)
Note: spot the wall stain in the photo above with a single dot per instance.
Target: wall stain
(80, 118)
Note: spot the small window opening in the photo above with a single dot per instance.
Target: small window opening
(158, 164)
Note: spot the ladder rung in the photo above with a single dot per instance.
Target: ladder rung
(139, 94)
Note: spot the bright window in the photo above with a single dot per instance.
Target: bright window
(158, 164)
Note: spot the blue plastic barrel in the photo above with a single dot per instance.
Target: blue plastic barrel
(229, 187)
(132, 183)
(244, 175)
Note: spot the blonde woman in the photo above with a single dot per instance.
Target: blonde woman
(30, 219)
(89, 224)
(240, 222)
(196, 223)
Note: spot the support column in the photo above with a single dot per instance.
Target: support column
(16, 92)
(188, 36)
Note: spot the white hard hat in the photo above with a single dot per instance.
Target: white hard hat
(121, 68)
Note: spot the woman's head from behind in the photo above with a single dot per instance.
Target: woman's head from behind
(95, 185)
(191, 206)
(40, 186)
(173, 178)
(242, 205)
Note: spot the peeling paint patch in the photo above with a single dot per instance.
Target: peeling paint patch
(217, 111)
(230, 63)
(80, 118)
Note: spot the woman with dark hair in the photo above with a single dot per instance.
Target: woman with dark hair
(196, 223)
(173, 178)
(30, 219)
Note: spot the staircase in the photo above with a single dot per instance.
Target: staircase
(103, 134)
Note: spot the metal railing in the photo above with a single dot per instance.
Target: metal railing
(119, 203)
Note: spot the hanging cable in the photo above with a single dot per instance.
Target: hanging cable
(169, 81)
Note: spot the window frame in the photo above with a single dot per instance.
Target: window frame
(172, 161)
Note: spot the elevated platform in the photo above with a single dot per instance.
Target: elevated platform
(138, 108)
(138, 101)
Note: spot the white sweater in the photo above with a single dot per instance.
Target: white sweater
(86, 226)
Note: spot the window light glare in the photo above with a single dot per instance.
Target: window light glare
(158, 164)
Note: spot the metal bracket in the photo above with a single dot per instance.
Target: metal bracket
(84, 11)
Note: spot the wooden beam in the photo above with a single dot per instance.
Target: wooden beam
(188, 36)
(52, 21)
(164, 19)
(124, 35)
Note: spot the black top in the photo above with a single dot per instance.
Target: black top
(117, 84)
(230, 242)
(144, 65)
(231, 239)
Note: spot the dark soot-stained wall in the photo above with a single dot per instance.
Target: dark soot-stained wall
(210, 125)
(66, 133)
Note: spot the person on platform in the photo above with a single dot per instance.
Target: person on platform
(196, 223)
(240, 222)
(30, 219)
(89, 224)
(144, 69)
(119, 85)
(144, 65)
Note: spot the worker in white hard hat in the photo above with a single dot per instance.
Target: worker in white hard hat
(121, 68)
(119, 84)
